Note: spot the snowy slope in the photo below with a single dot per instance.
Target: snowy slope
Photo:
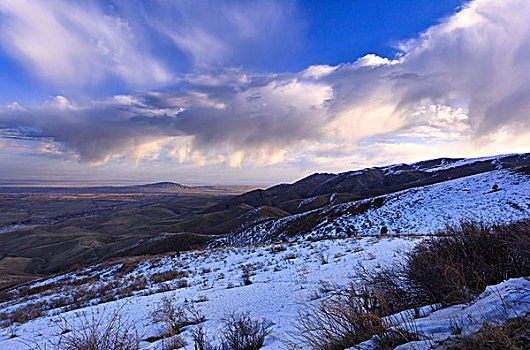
(444, 165)
(422, 210)
(283, 276)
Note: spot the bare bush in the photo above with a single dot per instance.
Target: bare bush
(173, 316)
(347, 318)
(200, 340)
(456, 267)
(240, 332)
(98, 331)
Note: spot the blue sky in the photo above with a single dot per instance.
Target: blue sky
(322, 32)
(256, 91)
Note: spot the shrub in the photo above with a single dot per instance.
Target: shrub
(96, 331)
(246, 277)
(173, 317)
(456, 267)
(343, 320)
(240, 332)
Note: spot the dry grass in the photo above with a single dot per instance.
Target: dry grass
(168, 275)
(98, 331)
(172, 343)
(456, 267)
(174, 317)
(346, 318)
(513, 334)
(447, 270)
(240, 332)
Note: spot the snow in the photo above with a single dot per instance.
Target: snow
(282, 280)
(462, 162)
(13, 228)
(285, 276)
(390, 169)
(422, 210)
(306, 201)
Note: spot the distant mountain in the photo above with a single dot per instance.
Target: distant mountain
(316, 190)
(163, 187)
(159, 187)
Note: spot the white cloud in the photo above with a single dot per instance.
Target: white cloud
(74, 44)
(372, 60)
(85, 44)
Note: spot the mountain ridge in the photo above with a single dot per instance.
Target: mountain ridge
(374, 181)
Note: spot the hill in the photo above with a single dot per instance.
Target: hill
(498, 195)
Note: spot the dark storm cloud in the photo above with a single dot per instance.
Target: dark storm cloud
(466, 76)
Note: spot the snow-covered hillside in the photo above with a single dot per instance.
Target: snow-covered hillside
(283, 276)
(496, 196)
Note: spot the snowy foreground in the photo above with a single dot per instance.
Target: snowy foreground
(496, 304)
(284, 277)
(496, 196)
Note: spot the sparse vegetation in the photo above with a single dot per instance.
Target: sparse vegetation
(98, 331)
(240, 332)
(514, 334)
(457, 267)
(173, 316)
(446, 270)
(172, 343)
(349, 317)
(337, 317)
(168, 275)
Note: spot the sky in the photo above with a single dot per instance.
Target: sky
(256, 92)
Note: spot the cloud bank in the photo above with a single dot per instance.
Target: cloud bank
(460, 89)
